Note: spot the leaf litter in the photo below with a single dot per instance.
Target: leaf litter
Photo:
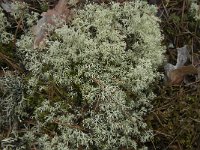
(178, 73)
(61, 13)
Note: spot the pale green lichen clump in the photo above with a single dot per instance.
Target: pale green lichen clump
(18, 11)
(105, 60)
(5, 37)
(195, 10)
(11, 100)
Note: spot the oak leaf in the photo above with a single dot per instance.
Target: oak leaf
(176, 76)
(176, 73)
(56, 17)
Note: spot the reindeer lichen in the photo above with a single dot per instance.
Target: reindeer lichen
(104, 62)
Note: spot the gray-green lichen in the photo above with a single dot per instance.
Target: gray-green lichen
(105, 60)
(5, 37)
(11, 100)
(195, 10)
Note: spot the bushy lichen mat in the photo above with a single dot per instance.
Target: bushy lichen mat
(92, 77)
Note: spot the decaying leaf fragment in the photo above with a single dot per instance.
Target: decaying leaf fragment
(183, 55)
(55, 17)
(6, 5)
(177, 73)
(176, 76)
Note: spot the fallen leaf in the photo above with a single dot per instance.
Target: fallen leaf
(176, 73)
(176, 76)
(183, 55)
(6, 5)
(9, 5)
(55, 17)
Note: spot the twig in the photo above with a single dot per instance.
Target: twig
(195, 120)
(192, 83)
(16, 31)
(153, 144)
(158, 119)
(158, 132)
(173, 140)
(183, 10)
(9, 61)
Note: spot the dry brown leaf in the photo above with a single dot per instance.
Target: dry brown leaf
(183, 55)
(176, 76)
(60, 12)
(6, 5)
(176, 73)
